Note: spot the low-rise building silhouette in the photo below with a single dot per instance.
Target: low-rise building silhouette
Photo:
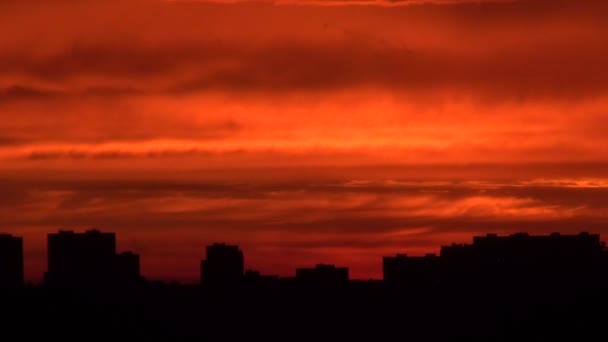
(224, 265)
(11, 261)
(127, 267)
(411, 270)
(322, 274)
(255, 278)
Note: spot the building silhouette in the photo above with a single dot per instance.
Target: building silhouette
(88, 259)
(493, 285)
(224, 265)
(322, 274)
(516, 261)
(11, 261)
(126, 268)
(80, 258)
(411, 270)
(527, 260)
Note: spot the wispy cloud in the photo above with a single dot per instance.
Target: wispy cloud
(314, 129)
(303, 217)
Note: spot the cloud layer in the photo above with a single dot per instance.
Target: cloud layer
(350, 222)
(326, 130)
(520, 49)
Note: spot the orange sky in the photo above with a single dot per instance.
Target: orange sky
(304, 131)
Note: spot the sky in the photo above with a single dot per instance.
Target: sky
(305, 131)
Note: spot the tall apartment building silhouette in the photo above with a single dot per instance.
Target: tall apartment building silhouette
(224, 265)
(525, 260)
(518, 260)
(11, 261)
(411, 270)
(87, 258)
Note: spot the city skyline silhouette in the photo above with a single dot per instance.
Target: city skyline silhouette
(304, 133)
(502, 285)
(79, 258)
(303, 169)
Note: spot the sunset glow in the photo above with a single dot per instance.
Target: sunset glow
(303, 131)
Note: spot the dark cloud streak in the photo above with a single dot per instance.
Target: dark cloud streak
(567, 60)
(569, 69)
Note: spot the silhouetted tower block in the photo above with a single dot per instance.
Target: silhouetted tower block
(127, 268)
(11, 261)
(81, 258)
(224, 265)
(322, 274)
(458, 265)
(411, 271)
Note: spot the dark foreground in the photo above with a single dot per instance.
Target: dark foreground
(358, 310)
